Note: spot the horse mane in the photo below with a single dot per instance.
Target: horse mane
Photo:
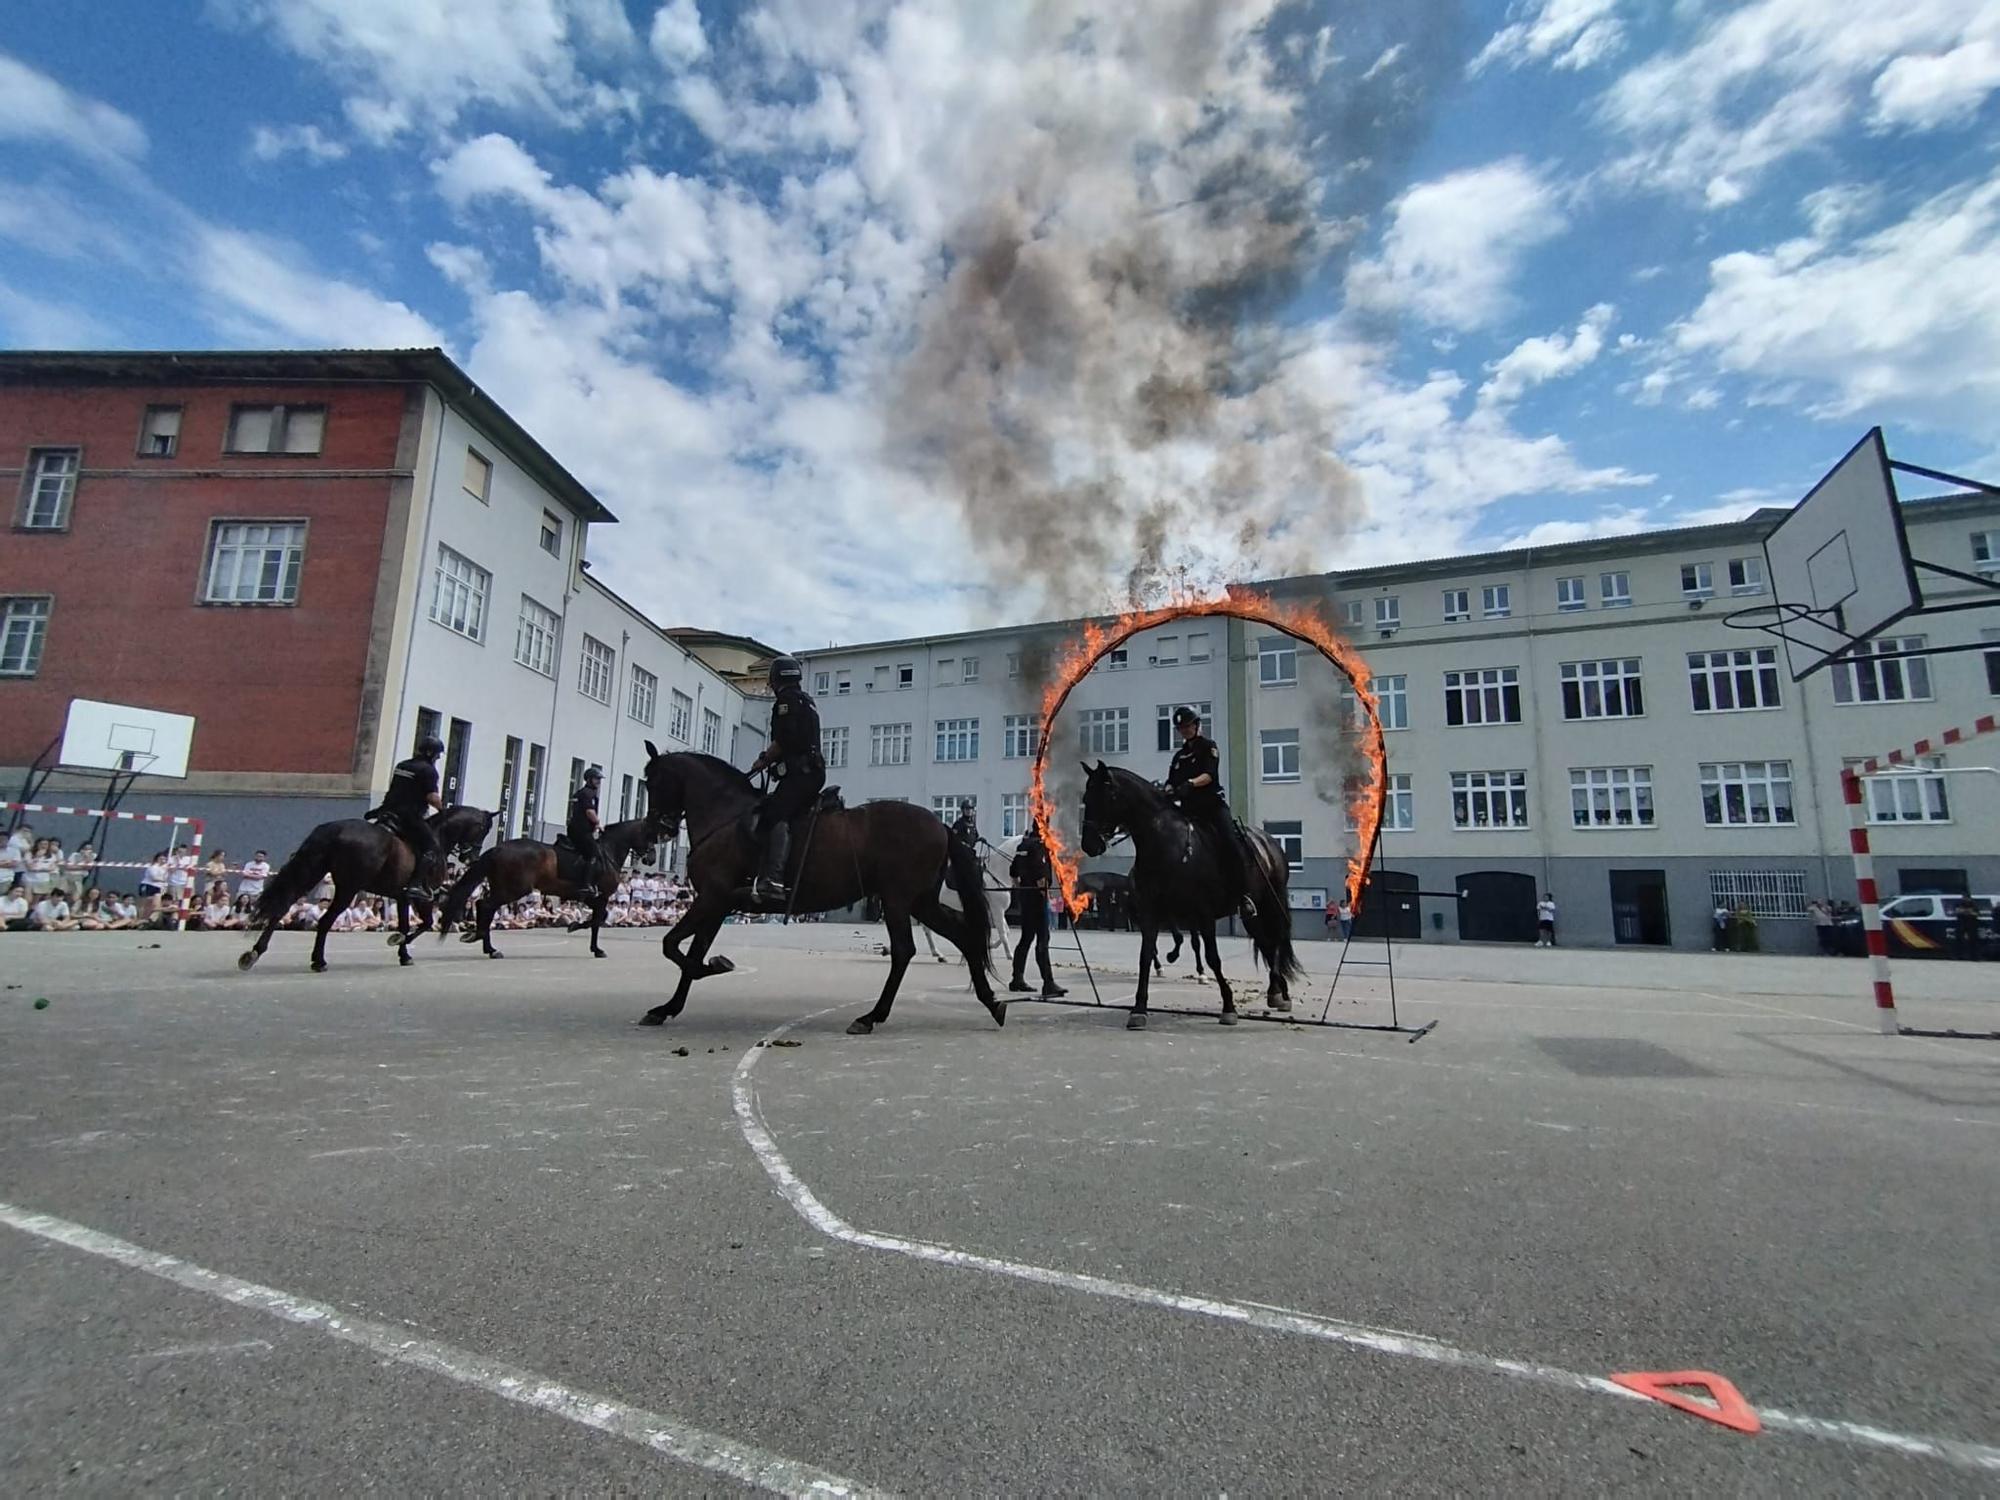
(1133, 785)
(716, 764)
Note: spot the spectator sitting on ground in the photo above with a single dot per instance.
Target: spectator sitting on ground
(89, 911)
(215, 910)
(303, 915)
(80, 869)
(127, 909)
(14, 907)
(51, 914)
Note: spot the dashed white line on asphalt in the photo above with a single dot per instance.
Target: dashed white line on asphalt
(1980, 1457)
(666, 1436)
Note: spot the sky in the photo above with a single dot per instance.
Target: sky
(874, 318)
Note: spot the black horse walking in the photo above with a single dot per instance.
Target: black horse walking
(514, 867)
(361, 857)
(893, 851)
(1180, 881)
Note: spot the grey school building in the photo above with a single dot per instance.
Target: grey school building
(1573, 719)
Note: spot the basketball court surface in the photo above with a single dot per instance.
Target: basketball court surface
(465, 1227)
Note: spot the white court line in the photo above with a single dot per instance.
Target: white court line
(663, 1435)
(1956, 1452)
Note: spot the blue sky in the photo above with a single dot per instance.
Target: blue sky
(1419, 278)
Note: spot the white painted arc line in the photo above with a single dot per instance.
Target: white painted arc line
(666, 1436)
(1954, 1451)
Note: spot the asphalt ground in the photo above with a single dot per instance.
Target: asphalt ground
(465, 1228)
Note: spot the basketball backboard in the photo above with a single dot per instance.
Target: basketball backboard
(116, 737)
(1839, 565)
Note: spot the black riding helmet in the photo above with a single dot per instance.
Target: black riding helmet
(1185, 715)
(786, 669)
(593, 774)
(430, 747)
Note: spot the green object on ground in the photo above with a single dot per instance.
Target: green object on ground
(42, 1003)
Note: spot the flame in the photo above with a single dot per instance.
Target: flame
(1302, 622)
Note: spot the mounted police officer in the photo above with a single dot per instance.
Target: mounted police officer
(965, 829)
(584, 822)
(1194, 780)
(407, 805)
(798, 771)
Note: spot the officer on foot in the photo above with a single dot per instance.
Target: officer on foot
(1194, 780)
(407, 806)
(799, 773)
(1030, 875)
(583, 823)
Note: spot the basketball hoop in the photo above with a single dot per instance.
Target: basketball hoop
(1771, 619)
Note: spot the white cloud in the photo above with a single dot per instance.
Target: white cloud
(1549, 357)
(1453, 245)
(409, 63)
(270, 142)
(34, 107)
(263, 292)
(1764, 80)
(1902, 323)
(40, 323)
(1563, 33)
(1617, 521)
(1727, 508)
(677, 35)
(1924, 92)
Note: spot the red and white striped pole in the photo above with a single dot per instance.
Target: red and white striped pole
(1870, 899)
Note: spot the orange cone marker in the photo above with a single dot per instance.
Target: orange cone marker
(1729, 1408)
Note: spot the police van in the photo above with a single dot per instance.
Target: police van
(1924, 926)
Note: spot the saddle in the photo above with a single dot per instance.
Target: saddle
(569, 862)
(830, 801)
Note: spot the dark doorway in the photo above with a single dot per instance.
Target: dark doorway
(430, 724)
(1496, 906)
(457, 747)
(1388, 906)
(1916, 880)
(1639, 907)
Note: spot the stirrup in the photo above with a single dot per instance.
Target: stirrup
(768, 888)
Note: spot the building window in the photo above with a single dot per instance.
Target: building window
(1909, 796)
(843, 683)
(906, 674)
(458, 594)
(1496, 601)
(711, 732)
(645, 696)
(1991, 656)
(951, 804)
(1354, 611)
(575, 779)
(254, 562)
(24, 625)
(1491, 695)
(1277, 661)
(1602, 689)
(947, 671)
(1280, 749)
(1489, 799)
(833, 742)
(1197, 645)
(1392, 702)
(160, 432)
(276, 429)
(1118, 658)
(1020, 736)
(1399, 809)
(1569, 595)
(1746, 575)
(510, 771)
(1290, 837)
(1778, 894)
(1611, 797)
(680, 715)
(822, 683)
(478, 477)
(535, 637)
(1697, 580)
(1745, 793)
(1986, 551)
(957, 739)
(1457, 605)
(599, 666)
(624, 798)
(531, 793)
(1904, 680)
(1614, 590)
(1164, 722)
(889, 744)
(50, 485)
(552, 530)
(1106, 731)
(1013, 664)
(1732, 681)
(1166, 651)
(968, 669)
(1013, 814)
(1388, 612)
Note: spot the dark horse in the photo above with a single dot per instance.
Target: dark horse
(1177, 881)
(361, 857)
(514, 867)
(893, 851)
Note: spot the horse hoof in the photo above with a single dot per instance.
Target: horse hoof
(403, 959)
(598, 953)
(319, 966)
(1228, 1018)
(395, 938)
(247, 961)
(860, 1026)
(494, 953)
(999, 1011)
(654, 1018)
(1136, 1021)
(720, 965)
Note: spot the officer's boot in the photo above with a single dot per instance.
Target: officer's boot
(770, 882)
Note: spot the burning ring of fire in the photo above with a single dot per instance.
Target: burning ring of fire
(1298, 621)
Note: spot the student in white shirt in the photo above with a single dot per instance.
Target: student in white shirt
(152, 884)
(14, 908)
(52, 914)
(78, 868)
(1545, 920)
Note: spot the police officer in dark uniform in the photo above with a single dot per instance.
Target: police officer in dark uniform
(794, 759)
(1030, 875)
(407, 806)
(965, 829)
(1194, 779)
(583, 823)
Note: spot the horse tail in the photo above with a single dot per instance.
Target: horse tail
(461, 891)
(1276, 948)
(300, 873)
(968, 880)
